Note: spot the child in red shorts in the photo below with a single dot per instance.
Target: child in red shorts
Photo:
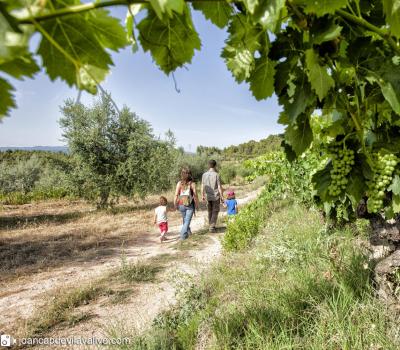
(161, 218)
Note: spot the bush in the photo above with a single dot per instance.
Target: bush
(20, 176)
(28, 176)
(227, 173)
(198, 164)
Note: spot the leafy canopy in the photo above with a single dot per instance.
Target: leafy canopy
(334, 66)
(114, 153)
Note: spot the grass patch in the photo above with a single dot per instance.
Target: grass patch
(62, 309)
(132, 272)
(297, 287)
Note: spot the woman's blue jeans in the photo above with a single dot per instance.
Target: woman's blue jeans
(187, 214)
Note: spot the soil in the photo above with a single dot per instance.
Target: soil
(23, 297)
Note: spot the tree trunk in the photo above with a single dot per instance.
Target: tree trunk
(104, 195)
(385, 252)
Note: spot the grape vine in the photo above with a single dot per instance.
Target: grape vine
(339, 58)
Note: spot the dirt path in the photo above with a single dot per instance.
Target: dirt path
(21, 298)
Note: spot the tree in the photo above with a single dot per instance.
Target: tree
(20, 175)
(115, 153)
(339, 57)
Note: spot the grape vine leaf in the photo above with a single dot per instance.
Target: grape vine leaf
(320, 7)
(6, 98)
(12, 44)
(20, 66)
(395, 186)
(129, 25)
(390, 95)
(396, 203)
(262, 78)
(108, 30)
(289, 153)
(299, 135)
(168, 7)
(269, 13)
(251, 5)
(239, 61)
(133, 10)
(218, 13)
(321, 181)
(388, 90)
(392, 12)
(328, 34)
(11, 20)
(318, 76)
(303, 97)
(172, 42)
(356, 186)
(88, 76)
(82, 43)
(243, 41)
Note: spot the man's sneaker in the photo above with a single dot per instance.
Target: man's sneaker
(213, 229)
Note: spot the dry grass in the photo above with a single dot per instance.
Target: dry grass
(47, 235)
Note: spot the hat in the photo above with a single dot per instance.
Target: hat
(230, 193)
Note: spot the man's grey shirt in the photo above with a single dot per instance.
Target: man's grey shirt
(211, 181)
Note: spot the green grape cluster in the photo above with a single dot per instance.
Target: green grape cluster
(382, 176)
(342, 161)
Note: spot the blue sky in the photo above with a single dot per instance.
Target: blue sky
(211, 109)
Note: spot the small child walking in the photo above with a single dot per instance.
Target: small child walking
(231, 204)
(161, 218)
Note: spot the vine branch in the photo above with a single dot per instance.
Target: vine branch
(71, 10)
(384, 34)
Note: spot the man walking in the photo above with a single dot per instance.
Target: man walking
(211, 190)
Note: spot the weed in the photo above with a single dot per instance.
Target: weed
(62, 306)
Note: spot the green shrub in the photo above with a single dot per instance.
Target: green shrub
(285, 180)
(198, 164)
(297, 288)
(20, 175)
(227, 173)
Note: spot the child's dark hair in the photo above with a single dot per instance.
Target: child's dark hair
(163, 200)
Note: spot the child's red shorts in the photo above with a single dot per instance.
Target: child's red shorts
(163, 227)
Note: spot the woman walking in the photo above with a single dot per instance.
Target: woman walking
(186, 200)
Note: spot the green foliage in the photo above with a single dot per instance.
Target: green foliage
(172, 41)
(198, 164)
(208, 151)
(21, 176)
(284, 180)
(227, 173)
(340, 58)
(297, 288)
(114, 153)
(29, 176)
(218, 13)
(6, 98)
(245, 150)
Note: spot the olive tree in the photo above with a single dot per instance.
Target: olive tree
(114, 153)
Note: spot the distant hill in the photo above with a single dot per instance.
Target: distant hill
(56, 149)
(245, 150)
